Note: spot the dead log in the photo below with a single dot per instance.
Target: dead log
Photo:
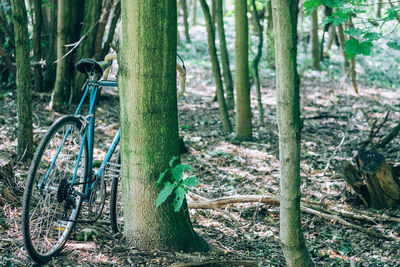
(373, 180)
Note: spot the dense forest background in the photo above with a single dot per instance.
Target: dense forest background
(347, 61)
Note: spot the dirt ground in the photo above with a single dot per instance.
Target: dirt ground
(335, 121)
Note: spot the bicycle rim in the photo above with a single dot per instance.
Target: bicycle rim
(49, 208)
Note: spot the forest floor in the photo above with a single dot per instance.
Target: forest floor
(335, 120)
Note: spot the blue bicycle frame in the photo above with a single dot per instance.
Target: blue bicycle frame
(91, 88)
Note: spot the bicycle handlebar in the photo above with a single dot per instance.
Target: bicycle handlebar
(180, 68)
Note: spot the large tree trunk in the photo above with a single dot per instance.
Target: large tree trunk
(36, 43)
(315, 41)
(256, 61)
(185, 19)
(86, 47)
(270, 38)
(116, 16)
(243, 109)
(223, 111)
(50, 53)
(149, 126)
(107, 4)
(288, 108)
(25, 131)
(219, 17)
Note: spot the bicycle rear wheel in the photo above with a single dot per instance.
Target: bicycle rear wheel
(50, 202)
(116, 209)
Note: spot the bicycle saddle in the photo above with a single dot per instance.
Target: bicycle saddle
(91, 67)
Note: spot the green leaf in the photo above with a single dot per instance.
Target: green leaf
(311, 5)
(355, 32)
(161, 177)
(179, 197)
(372, 36)
(171, 162)
(190, 182)
(394, 45)
(165, 193)
(354, 47)
(178, 170)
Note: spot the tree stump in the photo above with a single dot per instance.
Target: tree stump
(373, 180)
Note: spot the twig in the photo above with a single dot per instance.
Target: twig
(389, 137)
(334, 153)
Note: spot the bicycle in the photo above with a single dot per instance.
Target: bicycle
(62, 177)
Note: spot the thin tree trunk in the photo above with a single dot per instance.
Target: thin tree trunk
(49, 75)
(114, 20)
(213, 12)
(256, 61)
(185, 19)
(61, 88)
(36, 43)
(219, 17)
(353, 71)
(24, 93)
(342, 39)
(223, 111)
(194, 22)
(147, 84)
(86, 47)
(288, 109)
(107, 4)
(243, 109)
(332, 37)
(379, 9)
(315, 41)
(270, 37)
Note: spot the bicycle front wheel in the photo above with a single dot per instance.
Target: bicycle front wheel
(53, 191)
(116, 208)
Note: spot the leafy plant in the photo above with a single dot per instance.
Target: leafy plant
(173, 181)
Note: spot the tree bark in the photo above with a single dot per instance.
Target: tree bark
(116, 16)
(61, 87)
(256, 61)
(342, 39)
(24, 94)
(36, 43)
(379, 9)
(219, 17)
(243, 109)
(315, 41)
(288, 109)
(149, 126)
(50, 53)
(107, 4)
(185, 19)
(270, 38)
(223, 111)
(86, 47)
(194, 22)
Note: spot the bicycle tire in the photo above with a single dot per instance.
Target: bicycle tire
(45, 231)
(116, 209)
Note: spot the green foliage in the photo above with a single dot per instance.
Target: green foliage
(87, 234)
(364, 34)
(173, 181)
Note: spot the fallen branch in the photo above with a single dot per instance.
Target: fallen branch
(324, 213)
(389, 137)
(346, 223)
(219, 263)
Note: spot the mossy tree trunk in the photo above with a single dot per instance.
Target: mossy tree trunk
(219, 17)
(223, 111)
(149, 126)
(36, 43)
(86, 47)
(315, 41)
(288, 109)
(24, 93)
(243, 109)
